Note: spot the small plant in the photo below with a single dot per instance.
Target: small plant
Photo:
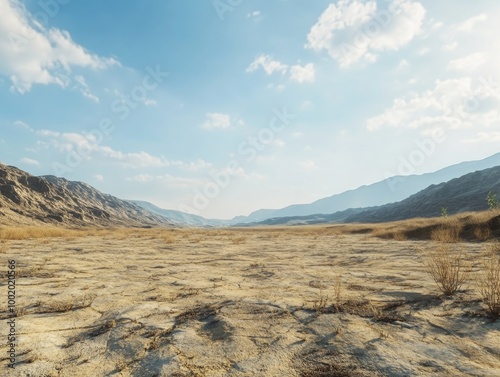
(448, 269)
(489, 281)
(321, 303)
(444, 212)
(492, 200)
(337, 290)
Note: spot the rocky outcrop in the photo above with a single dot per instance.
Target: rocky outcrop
(27, 199)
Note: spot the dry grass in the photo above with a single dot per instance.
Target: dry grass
(482, 233)
(489, 280)
(448, 268)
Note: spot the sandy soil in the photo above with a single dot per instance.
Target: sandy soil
(241, 303)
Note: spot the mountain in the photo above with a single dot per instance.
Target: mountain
(29, 200)
(467, 193)
(463, 194)
(387, 191)
(178, 216)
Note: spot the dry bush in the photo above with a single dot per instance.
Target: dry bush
(321, 303)
(399, 236)
(238, 240)
(337, 290)
(448, 268)
(448, 233)
(488, 280)
(482, 233)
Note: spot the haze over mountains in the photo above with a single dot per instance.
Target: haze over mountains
(387, 191)
(30, 200)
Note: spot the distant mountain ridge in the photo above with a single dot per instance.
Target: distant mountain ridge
(463, 194)
(390, 190)
(29, 200)
(178, 216)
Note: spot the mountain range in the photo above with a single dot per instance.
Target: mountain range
(389, 190)
(30, 200)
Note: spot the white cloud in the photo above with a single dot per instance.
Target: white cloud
(403, 63)
(297, 73)
(268, 64)
(468, 63)
(469, 24)
(167, 179)
(217, 121)
(32, 54)
(254, 14)
(352, 30)
(30, 161)
(484, 137)
(450, 46)
(84, 145)
(99, 177)
(21, 124)
(451, 104)
(302, 74)
(84, 88)
(279, 143)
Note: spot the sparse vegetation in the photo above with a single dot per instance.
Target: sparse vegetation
(492, 200)
(448, 233)
(448, 268)
(489, 280)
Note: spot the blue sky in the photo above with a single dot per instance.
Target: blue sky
(221, 109)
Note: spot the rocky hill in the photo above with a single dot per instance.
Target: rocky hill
(463, 194)
(29, 200)
(467, 193)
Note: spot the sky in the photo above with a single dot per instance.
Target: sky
(220, 108)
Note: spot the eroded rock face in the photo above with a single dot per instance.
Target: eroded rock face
(27, 199)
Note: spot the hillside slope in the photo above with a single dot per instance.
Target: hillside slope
(29, 200)
(466, 193)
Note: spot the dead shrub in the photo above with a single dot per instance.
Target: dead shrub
(447, 233)
(482, 233)
(488, 281)
(448, 268)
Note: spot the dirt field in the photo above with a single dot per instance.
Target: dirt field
(245, 302)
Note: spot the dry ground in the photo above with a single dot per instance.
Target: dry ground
(305, 301)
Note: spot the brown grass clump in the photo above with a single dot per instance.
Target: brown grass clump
(482, 233)
(448, 268)
(448, 233)
(489, 281)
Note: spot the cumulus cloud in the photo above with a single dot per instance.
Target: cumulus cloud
(470, 23)
(451, 104)
(468, 63)
(218, 121)
(32, 54)
(86, 145)
(302, 74)
(268, 64)
(483, 137)
(297, 73)
(353, 30)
